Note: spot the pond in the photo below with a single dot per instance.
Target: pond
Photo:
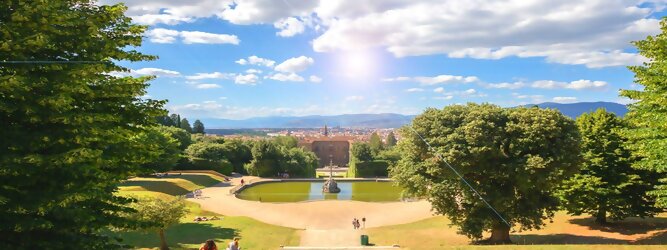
(295, 191)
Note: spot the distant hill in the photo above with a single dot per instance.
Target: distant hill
(574, 110)
(387, 120)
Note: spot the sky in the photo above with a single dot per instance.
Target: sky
(236, 59)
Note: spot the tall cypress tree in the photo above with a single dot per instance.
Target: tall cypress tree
(648, 116)
(69, 127)
(185, 124)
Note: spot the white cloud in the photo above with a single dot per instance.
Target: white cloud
(295, 64)
(190, 37)
(506, 85)
(155, 72)
(291, 77)
(445, 79)
(463, 93)
(576, 85)
(253, 71)
(207, 86)
(289, 27)
(255, 60)
(354, 98)
(214, 75)
(315, 79)
(595, 33)
(564, 99)
(249, 79)
(152, 19)
(414, 90)
(266, 11)
(160, 35)
(439, 90)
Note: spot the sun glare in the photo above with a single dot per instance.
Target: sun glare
(358, 64)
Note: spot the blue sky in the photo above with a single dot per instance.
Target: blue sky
(239, 59)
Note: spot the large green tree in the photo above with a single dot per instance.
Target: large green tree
(198, 127)
(607, 184)
(648, 115)
(361, 151)
(514, 157)
(163, 149)
(68, 122)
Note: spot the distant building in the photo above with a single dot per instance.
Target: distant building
(329, 149)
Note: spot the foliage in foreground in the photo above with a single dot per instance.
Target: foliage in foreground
(70, 130)
(515, 158)
(607, 184)
(648, 116)
(159, 213)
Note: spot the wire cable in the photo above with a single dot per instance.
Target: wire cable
(460, 176)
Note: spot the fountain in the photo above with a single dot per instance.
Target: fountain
(330, 186)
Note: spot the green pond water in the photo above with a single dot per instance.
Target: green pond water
(312, 191)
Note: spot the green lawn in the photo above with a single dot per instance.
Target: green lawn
(566, 232)
(190, 235)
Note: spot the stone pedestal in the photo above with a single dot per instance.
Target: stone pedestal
(330, 186)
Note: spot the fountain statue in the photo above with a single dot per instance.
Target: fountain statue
(330, 186)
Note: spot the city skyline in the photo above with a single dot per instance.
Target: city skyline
(236, 60)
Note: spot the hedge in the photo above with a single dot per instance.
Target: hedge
(223, 166)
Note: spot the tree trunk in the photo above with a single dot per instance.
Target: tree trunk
(601, 216)
(163, 241)
(500, 234)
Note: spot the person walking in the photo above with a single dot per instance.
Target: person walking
(363, 220)
(354, 223)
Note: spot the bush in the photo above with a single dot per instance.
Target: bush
(220, 166)
(369, 169)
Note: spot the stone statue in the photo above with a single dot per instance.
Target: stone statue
(330, 186)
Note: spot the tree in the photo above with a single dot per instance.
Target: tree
(286, 141)
(198, 127)
(391, 139)
(183, 137)
(238, 153)
(607, 184)
(68, 129)
(266, 158)
(165, 120)
(648, 115)
(159, 213)
(206, 150)
(163, 149)
(376, 143)
(362, 151)
(514, 157)
(176, 120)
(186, 125)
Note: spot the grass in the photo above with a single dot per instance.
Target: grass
(566, 232)
(190, 235)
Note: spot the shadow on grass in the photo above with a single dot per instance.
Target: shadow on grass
(655, 239)
(628, 226)
(181, 234)
(534, 239)
(166, 187)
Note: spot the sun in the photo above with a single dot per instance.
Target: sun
(358, 64)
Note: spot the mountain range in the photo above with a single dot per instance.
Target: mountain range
(386, 120)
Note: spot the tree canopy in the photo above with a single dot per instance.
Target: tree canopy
(376, 143)
(514, 157)
(648, 115)
(68, 127)
(607, 184)
(361, 151)
(159, 213)
(185, 124)
(198, 127)
(391, 139)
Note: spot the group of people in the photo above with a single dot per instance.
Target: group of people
(203, 218)
(197, 193)
(210, 245)
(357, 225)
